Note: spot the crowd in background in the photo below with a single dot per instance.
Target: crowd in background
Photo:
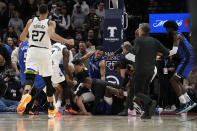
(83, 21)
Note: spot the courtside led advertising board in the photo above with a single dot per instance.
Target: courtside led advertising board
(156, 22)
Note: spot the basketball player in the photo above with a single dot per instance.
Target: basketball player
(61, 53)
(97, 63)
(184, 49)
(38, 60)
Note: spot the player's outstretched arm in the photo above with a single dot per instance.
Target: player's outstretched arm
(102, 69)
(85, 57)
(23, 36)
(56, 37)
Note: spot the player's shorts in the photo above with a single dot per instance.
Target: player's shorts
(38, 83)
(39, 61)
(88, 97)
(184, 68)
(57, 76)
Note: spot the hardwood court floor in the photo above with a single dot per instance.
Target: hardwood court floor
(14, 122)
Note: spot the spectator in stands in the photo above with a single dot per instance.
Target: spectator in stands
(78, 19)
(10, 43)
(17, 23)
(84, 7)
(100, 12)
(53, 3)
(191, 80)
(82, 51)
(67, 21)
(60, 21)
(70, 3)
(93, 21)
(10, 33)
(78, 38)
(73, 50)
(11, 9)
(92, 37)
(29, 8)
(3, 18)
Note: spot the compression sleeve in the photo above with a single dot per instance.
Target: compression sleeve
(173, 51)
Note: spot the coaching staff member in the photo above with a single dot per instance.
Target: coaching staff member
(145, 50)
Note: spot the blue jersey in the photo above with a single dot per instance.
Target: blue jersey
(38, 83)
(185, 49)
(186, 53)
(8, 49)
(94, 67)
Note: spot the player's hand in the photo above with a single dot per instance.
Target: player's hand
(70, 42)
(110, 56)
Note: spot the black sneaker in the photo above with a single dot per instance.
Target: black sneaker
(123, 113)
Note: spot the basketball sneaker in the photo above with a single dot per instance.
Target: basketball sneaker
(52, 113)
(183, 108)
(23, 103)
(70, 110)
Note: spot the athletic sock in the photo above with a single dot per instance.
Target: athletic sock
(182, 99)
(187, 98)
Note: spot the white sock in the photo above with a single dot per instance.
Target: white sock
(187, 98)
(182, 99)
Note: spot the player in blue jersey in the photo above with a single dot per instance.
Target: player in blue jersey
(38, 83)
(97, 63)
(184, 49)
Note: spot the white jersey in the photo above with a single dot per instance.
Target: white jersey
(38, 33)
(57, 55)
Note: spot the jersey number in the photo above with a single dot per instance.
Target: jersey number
(36, 35)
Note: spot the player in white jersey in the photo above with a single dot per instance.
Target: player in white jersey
(38, 60)
(61, 53)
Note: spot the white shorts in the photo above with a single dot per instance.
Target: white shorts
(88, 97)
(39, 61)
(57, 76)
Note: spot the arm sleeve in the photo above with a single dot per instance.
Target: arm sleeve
(136, 47)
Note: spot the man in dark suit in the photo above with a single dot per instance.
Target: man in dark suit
(145, 50)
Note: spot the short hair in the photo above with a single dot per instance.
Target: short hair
(127, 47)
(43, 9)
(171, 24)
(101, 48)
(87, 80)
(81, 76)
(145, 27)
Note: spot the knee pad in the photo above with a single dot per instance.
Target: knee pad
(30, 78)
(49, 86)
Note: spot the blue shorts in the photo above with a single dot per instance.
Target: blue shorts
(38, 83)
(185, 67)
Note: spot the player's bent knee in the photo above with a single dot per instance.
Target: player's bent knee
(30, 78)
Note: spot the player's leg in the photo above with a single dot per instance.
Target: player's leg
(26, 98)
(52, 109)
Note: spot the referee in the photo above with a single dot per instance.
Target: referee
(145, 50)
